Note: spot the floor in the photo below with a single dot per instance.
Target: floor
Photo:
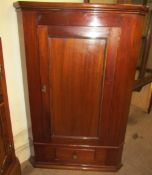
(137, 155)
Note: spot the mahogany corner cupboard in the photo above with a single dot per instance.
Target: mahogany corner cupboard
(80, 60)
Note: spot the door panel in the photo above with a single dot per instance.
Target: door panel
(75, 70)
(76, 79)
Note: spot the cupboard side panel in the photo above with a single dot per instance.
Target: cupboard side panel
(116, 123)
(30, 64)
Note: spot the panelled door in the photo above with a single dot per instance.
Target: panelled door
(77, 71)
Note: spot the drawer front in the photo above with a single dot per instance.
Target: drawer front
(75, 155)
(61, 155)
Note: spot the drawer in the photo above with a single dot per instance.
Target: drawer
(75, 155)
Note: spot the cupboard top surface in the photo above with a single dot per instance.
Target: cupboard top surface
(124, 8)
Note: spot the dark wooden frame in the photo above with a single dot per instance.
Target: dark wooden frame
(147, 43)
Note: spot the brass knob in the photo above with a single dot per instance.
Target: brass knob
(74, 156)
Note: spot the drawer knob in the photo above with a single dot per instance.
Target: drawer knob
(74, 156)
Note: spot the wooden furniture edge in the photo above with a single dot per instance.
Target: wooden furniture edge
(74, 167)
(126, 8)
(13, 169)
